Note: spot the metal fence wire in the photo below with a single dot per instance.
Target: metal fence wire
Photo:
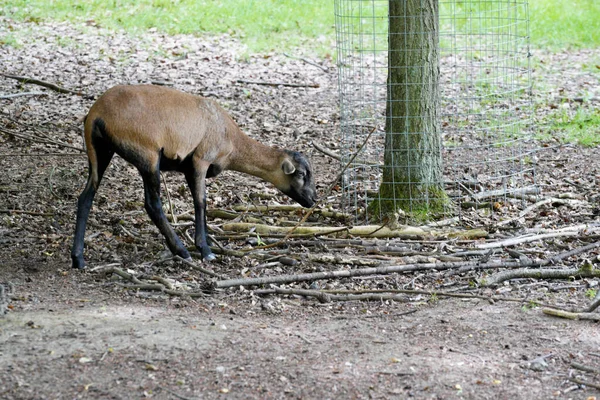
(482, 116)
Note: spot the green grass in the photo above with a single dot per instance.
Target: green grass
(263, 25)
(565, 23)
(582, 127)
(266, 25)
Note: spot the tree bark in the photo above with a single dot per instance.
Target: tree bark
(412, 174)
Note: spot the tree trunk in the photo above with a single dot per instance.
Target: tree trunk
(412, 174)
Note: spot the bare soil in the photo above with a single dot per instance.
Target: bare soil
(74, 334)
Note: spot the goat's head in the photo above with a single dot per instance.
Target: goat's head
(298, 182)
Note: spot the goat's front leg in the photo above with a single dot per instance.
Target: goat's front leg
(153, 206)
(196, 179)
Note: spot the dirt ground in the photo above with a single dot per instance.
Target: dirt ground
(74, 334)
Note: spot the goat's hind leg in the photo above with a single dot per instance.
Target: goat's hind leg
(84, 204)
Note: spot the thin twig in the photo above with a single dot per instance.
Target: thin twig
(327, 152)
(41, 154)
(22, 94)
(34, 139)
(164, 181)
(5, 211)
(174, 394)
(276, 84)
(199, 268)
(51, 86)
(324, 69)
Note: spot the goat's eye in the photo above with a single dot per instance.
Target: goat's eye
(301, 174)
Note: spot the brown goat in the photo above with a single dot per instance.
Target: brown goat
(162, 129)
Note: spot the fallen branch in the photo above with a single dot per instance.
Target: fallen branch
(324, 69)
(327, 298)
(516, 193)
(587, 270)
(539, 274)
(583, 367)
(538, 205)
(197, 267)
(51, 86)
(358, 272)
(291, 208)
(38, 140)
(374, 231)
(22, 94)
(277, 84)
(268, 208)
(5, 211)
(327, 152)
(595, 304)
(141, 285)
(338, 259)
(525, 239)
(42, 154)
(559, 257)
(571, 315)
(580, 382)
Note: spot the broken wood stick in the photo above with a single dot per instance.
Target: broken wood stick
(37, 213)
(374, 231)
(586, 271)
(537, 205)
(571, 315)
(327, 213)
(141, 285)
(22, 94)
(197, 267)
(525, 239)
(327, 152)
(595, 304)
(38, 140)
(359, 272)
(48, 85)
(324, 297)
(586, 368)
(559, 257)
(324, 69)
(277, 84)
(516, 193)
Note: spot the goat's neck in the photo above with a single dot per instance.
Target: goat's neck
(254, 158)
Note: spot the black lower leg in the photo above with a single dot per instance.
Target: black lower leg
(198, 188)
(84, 205)
(154, 208)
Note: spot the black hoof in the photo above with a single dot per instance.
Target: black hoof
(207, 254)
(78, 263)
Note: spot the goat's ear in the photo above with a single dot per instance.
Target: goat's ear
(287, 167)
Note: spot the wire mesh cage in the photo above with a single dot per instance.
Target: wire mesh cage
(441, 89)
